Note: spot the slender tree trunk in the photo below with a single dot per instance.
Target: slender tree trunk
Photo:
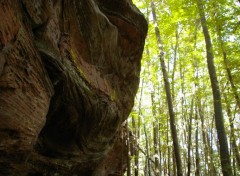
(174, 162)
(189, 142)
(136, 158)
(224, 153)
(136, 131)
(230, 78)
(200, 114)
(183, 115)
(156, 149)
(165, 163)
(234, 168)
(135, 144)
(205, 146)
(129, 152)
(234, 145)
(155, 136)
(160, 111)
(146, 167)
(147, 151)
(209, 144)
(235, 150)
(168, 94)
(224, 53)
(159, 150)
(175, 49)
(168, 151)
(209, 166)
(206, 142)
(197, 171)
(197, 112)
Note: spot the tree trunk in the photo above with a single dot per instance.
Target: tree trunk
(169, 151)
(69, 71)
(197, 171)
(155, 136)
(129, 154)
(189, 142)
(222, 138)
(168, 94)
(160, 138)
(224, 53)
(147, 151)
(175, 49)
(137, 133)
(233, 142)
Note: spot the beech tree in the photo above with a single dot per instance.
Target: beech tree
(222, 138)
(168, 94)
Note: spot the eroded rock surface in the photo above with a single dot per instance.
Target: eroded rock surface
(69, 71)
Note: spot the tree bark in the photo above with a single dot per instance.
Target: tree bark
(219, 121)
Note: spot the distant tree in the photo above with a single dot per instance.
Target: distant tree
(219, 121)
(168, 94)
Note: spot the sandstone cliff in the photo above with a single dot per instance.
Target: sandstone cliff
(69, 71)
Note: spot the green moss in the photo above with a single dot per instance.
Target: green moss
(113, 95)
(74, 58)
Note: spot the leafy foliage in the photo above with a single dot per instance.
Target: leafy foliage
(185, 54)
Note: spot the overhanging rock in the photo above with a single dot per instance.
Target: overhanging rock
(69, 71)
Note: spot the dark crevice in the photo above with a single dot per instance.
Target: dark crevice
(58, 130)
(12, 134)
(58, 137)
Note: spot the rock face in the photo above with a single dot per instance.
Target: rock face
(69, 71)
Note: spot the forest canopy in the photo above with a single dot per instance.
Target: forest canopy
(186, 118)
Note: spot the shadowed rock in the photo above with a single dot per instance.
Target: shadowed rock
(69, 71)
